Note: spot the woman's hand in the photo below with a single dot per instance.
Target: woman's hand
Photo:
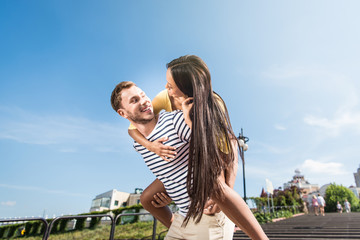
(211, 207)
(187, 105)
(161, 200)
(167, 153)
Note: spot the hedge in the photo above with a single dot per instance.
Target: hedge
(262, 217)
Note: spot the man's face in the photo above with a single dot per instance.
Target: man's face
(136, 106)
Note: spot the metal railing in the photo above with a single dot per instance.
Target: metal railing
(48, 227)
(134, 214)
(31, 219)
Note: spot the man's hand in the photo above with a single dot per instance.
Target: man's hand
(161, 200)
(211, 208)
(167, 153)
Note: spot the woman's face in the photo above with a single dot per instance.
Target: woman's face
(173, 90)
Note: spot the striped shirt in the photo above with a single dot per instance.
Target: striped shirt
(172, 174)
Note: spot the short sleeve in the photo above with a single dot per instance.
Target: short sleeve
(181, 128)
(161, 102)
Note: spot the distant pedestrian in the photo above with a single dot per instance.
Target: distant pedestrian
(305, 209)
(315, 205)
(321, 202)
(347, 206)
(339, 207)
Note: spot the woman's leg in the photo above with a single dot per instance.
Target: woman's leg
(163, 214)
(238, 211)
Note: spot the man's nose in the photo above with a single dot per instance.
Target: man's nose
(144, 101)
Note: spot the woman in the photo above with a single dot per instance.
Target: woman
(212, 155)
(315, 205)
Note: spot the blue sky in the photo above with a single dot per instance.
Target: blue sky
(288, 71)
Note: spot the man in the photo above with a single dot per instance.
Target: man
(131, 103)
(321, 202)
(347, 206)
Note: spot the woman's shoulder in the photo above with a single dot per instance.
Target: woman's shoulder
(163, 94)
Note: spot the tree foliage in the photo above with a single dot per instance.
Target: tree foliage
(287, 197)
(339, 193)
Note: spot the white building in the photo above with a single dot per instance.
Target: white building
(302, 184)
(114, 199)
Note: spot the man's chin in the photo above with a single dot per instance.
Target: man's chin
(142, 120)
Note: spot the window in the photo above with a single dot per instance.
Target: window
(116, 203)
(96, 203)
(101, 202)
(105, 202)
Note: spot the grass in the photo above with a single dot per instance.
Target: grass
(136, 230)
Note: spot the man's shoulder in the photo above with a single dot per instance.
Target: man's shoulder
(175, 112)
(170, 115)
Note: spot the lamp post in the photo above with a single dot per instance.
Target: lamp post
(243, 147)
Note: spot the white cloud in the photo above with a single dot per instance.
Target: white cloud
(335, 107)
(341, 121)
(323, 168)
(66, 133)
(8, 203)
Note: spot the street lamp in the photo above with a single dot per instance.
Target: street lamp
(243, 147)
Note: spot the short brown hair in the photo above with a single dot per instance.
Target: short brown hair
(116, 94)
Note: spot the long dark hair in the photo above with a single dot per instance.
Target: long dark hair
(210, 151)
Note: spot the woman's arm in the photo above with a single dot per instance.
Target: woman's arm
(165, 152)
(239, 212)
(211, 207)
(230, 174)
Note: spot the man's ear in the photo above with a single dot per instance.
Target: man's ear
(122, 113)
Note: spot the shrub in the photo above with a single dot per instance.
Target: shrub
(339, 193)
(2, 231)
(80, 223)
(28, 227)
(94, 222)
(12, 230)
(63, 225)
(35, 228)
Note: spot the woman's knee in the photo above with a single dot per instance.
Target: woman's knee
(146, 198)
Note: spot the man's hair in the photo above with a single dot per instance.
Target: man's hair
(116, 94)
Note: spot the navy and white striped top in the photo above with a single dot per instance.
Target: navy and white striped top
(172, 174)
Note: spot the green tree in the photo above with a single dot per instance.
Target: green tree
(339, 193)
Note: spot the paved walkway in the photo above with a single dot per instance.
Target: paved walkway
(332, 226)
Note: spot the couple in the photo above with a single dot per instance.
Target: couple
(193, 153)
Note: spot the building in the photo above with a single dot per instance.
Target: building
(302, 184)
(114, 199)
(357, 178)
(134, 198)
(355, 190)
